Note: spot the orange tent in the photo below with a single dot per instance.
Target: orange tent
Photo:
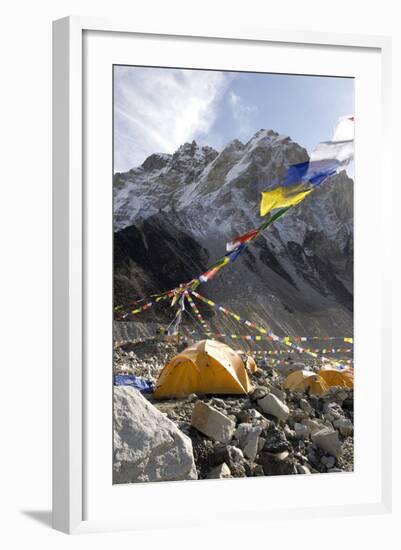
(205, 367)
(303, 380)
(334, 377)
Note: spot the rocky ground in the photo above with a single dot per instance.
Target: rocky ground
(269, 432)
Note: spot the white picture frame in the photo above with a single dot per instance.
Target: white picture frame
(70, 260)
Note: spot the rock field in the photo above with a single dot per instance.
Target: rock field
(271, 431)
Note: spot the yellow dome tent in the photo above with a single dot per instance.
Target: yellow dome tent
(205, 367)
(303, 380)
(340, 378)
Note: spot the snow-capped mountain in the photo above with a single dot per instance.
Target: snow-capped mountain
(175, 213)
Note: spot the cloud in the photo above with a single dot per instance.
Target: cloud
(156, 110)
(242, 114)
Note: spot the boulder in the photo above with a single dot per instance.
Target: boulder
(255, 415)
(276, 442)
(306, 406)
(258, 393)
(147, 445)
(257, 470)
(298, 415)
(235, 454)
(314, 425)
(328, 441)
(212, 422)
(238, 469)
(275, 465)
(278, 457)
(241, 433)
(219, 403)
(289, 433)
(328, 461)
(344, 426)
(248, 438)
(219, 472)
(332, 411)
(248, 415)
(270, 404)
(301, 431)
(280, 394)
(252, 443)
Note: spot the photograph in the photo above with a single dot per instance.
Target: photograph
(233, 271)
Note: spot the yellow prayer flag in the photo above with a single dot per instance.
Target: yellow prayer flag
(282, 197)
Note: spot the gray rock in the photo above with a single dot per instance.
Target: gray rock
(332, 411)
(252, 443)
(298, 415)
(258, 393)
(216, 402)
(280, 394)
(278, 457)
(306, 406)
(147, 445)
(192, 397)
(274, 467)
(235, 454)
(246, 416)
(344, 426)
(255, 415)
(212, 422)
(314, 425)
(288, 432)
(328, 441)
(276, 442)
(220, 454)
(257, 470)
(301, 431)
(328, 461)
(220, 472)
(270, 404)
(242, 431)
(248, 438)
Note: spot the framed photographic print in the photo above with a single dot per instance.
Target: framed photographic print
(218, 318)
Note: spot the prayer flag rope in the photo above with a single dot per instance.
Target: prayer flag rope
(286, 341)
(285, 352)
(143, 308)
(197, 313)
(262, 338)
(283, 362)
(235, 247)
(238, 318)
(251, 337)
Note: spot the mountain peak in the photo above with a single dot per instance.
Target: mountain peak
(267, 137)
(234, 145)
(193, 150)
(156, 161)
(191, 155)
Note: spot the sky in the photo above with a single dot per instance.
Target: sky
(156, 110)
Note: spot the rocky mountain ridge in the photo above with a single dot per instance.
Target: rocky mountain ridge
(174, 214)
